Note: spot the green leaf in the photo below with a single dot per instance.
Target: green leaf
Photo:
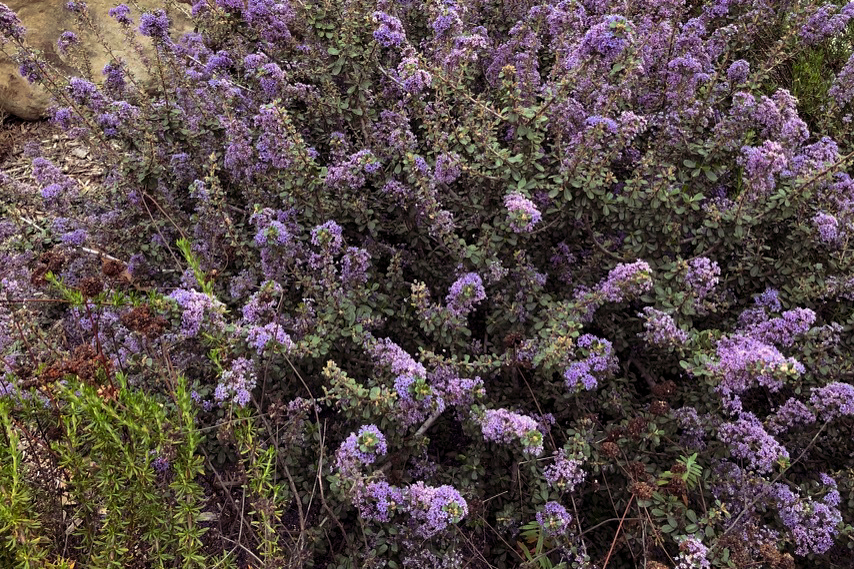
(333, 51)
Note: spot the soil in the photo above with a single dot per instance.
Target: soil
(70, 155)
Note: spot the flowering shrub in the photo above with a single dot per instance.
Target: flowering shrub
(436, 284)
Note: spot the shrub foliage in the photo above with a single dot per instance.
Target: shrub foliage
(437, 283)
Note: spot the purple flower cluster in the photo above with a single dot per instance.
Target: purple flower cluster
(693, 555)
(414, 78)
(747, 439)
(503, 426)
(660, 329)
(599, 363)
(447, 168)
(813, 524)
(327, 236)
(761, 165)
(360, 449)
(554, 519)
(465, 293)
(260, 337)
(236, 382)
(155, 25)
(607, 39)
(523, 214)
(702, 276)
(390, 32)
(435, 508)
(121, 13)
(10, 25)
(738, 72)
(66, 40)
(626, 281)
(564, 473)
(828, 227)
(744, 360)
(791, 413)
(416, 397)
(197, 309)
(826, 22)
(782, 330)
(833, 400)
(380, 501)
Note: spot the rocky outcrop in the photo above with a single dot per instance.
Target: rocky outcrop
(45, 21)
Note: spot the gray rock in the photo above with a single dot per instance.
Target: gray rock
(45, 21)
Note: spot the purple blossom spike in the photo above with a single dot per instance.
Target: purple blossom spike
(361, 448)
(435, 508)
(564, 473)
(10, 25)
(503, 426)
(523, 214)
(390, 32)
(833, 400)
(465, 293)
(748, 440)
(554, 519)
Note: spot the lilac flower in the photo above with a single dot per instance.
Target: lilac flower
(828, 227)
(554, 519)
(769, 299)
(702, 276)
(435, 508)
(114, 73)
(790, 414)
(783, 330)
(160, 464)
(738, 72)
(832, 497)
(842, 90)
(599, 361)
(743, 361)
(607, 39)
(361, 448)
(197, 308)
(10, 25)
(390, 31)
(761, 164)
(812, 524)
(464, 294)
(66, 40)
(76, 7)
(121, 13)
(327, 236)
(693, 431)
(626, 281)
(236, 382)
(380, 501)
(75, 238)
(51, 191)
(414, 79)
(524, 215)
(155, 25)
(822, 25)
(503, 426)
(260, 337)
(692, 555)
(354, 266)
(564, 473)
(748, 440)
(609, 125)
(447, 168)
(833, 400)
(661, 329)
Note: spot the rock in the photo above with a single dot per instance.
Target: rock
(45, 20)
